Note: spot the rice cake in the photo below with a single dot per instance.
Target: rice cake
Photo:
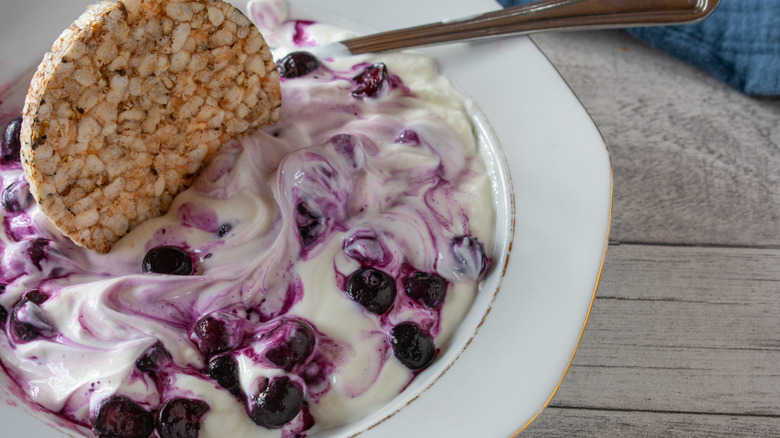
(131, 101)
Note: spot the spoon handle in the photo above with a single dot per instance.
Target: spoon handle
(540, 16)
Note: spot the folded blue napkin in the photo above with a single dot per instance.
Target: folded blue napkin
(738, 44)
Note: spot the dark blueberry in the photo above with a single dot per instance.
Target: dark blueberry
(277, 402)
(36, 296)
(153, 359)
(297, 64)
(3, 315)
(23, 330)
(35, 251)
(224, 370)
(180, 418)
(11, 141)
(429, 289)
(211, 336)
(469, 254)
(409, 137)
(216, 335)
(120, 417)
(28, 322)
(370, 81)
(411, 346)
(16, 197)
(291, 344)
(309, 224)
(167, 260)
(372, 288)
(223, 230)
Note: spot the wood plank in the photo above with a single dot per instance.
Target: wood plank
(675, 379)
(694, 161)
(681, 329)
(557, 422)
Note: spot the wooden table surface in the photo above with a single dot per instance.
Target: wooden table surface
(684, 336)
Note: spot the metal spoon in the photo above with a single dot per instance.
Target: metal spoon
(547, 15)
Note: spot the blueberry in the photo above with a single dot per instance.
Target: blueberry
(429, 289)
(277, 402)
(217, 333)
(210, 335)
(371, 288)
(36, 296)
(309, 224)
(35, 251)
(370, 81)
(180, 418)
(167, 260)
(153, 359)
(3, 315)
(469, 255)
(223, 230)
(120, 417)
(11, 141)
(224, 370)
(27, 320)
(412, 346)
(297, 64)
(292, 343)
(407, 136)
(16, 197)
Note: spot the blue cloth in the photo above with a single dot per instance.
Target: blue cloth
(738, 44)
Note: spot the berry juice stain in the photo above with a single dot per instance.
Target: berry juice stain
(301, 37)
(198, 216)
